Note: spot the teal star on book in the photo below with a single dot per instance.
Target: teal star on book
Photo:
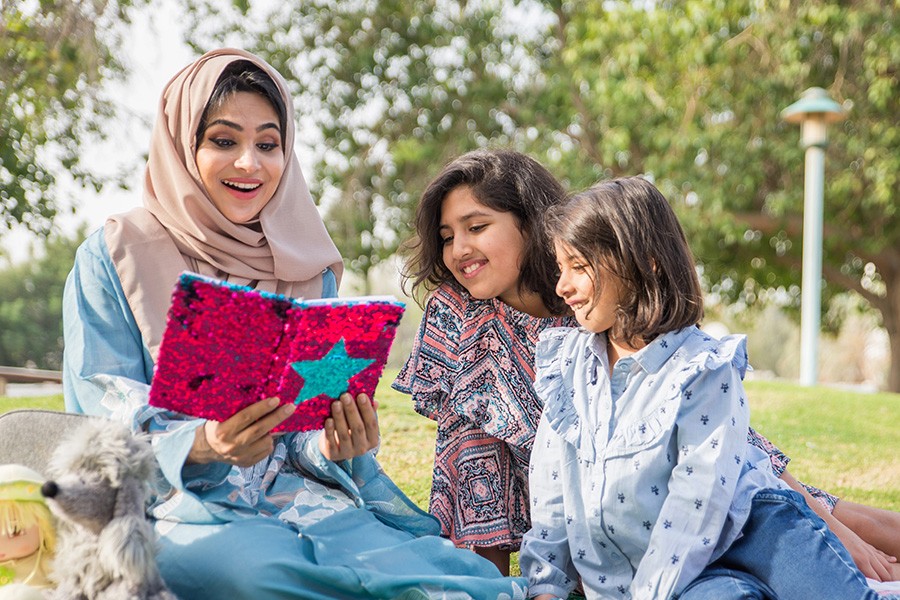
(328, 375)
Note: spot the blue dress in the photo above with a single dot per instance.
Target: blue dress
(295, 525)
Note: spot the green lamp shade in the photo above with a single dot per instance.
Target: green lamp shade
(814, 102)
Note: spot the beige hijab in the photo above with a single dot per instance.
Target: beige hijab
(179, 228)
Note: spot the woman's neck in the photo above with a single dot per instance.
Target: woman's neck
(616, 350)
(528, 302)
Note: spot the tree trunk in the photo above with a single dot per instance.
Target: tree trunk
(366, 280)
(891, 319)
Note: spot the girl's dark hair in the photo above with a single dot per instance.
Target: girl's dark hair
(243, 76)
(502, 180)
(627, 226)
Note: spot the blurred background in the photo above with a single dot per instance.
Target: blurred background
(687, 93)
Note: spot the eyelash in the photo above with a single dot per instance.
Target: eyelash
(226, 143)
(473, 229)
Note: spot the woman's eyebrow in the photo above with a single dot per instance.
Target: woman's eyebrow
(469, 216)
(237, 127)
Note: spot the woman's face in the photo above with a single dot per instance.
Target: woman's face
(483, 248)
(577, 285)
(240, 157)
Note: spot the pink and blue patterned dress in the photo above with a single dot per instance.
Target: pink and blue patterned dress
(472, 370)
(780, 462)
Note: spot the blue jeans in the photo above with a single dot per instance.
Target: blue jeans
(786, 552)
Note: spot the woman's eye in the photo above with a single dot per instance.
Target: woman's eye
(476, 228)
(222, 142)
(267, 146)
(446, 240)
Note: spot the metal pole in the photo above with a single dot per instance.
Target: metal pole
(811, 294)
(813, 111)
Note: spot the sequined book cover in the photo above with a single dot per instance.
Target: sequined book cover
(228, 346)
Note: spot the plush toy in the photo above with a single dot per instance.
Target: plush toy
(101, 476)
(27, 534)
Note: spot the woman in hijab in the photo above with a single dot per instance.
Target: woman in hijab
(247, 514)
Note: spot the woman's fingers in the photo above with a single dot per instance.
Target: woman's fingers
(245, 438)
(369, 416)
(342, 412)
(352, 429)
(355, 426)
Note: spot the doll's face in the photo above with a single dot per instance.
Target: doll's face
(20, 543)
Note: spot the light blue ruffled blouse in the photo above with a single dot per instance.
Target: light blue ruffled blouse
(640, 479)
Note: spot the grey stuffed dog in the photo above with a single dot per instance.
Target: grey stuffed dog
(99, 479)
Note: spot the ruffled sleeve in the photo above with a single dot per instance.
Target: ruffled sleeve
(553, 349)
(732, 349)
(107, 367)
(429, 371)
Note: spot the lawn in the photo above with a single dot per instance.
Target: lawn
(842, 441)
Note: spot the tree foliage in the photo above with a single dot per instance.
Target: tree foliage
(54, 57)
(31, 304)
(386, 92)
(688, 93)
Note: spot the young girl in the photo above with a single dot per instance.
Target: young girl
(481, 249)
(642, 482)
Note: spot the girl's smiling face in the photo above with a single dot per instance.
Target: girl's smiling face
(577, 286)
(240, 158)
(483, 249)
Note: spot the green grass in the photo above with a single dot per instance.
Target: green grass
(842, 441)
(45, 402)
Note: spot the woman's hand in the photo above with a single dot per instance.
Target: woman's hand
(244, 439)
(352, 429)
(873, 563)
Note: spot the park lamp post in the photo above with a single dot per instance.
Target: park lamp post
(813, 111)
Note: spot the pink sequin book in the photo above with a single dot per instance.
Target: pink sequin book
(227, 346)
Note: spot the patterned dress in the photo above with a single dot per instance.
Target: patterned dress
(472, 370)
(780, 462)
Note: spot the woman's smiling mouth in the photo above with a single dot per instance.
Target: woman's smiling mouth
(242, 186)
(471, 268)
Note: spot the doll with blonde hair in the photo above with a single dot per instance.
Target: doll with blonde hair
(27, 534)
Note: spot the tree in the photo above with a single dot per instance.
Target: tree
(386, 93)
(690, 93)
(55, 56)
(31, 304)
